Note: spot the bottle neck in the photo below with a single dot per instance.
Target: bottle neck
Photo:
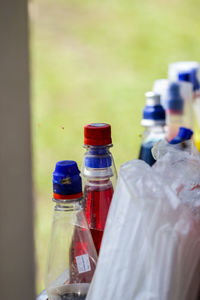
(99, 181)
(68, 205)
(95, 184)
(98, 150)
(155, 128)
(174, 118)
(98, 162)
(154, 133)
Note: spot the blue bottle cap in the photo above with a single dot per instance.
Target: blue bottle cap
(67, 182)
(153, 113)
(184, 76)
(175, 102)
(183, 135)
(190, 76)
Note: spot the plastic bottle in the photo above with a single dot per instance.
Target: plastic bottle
(161, 87)
(72, 256)
(189, 71)
(181, 140)
(174, 111)
(154, 122)
(100, 175)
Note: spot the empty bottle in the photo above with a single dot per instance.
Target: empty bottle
(72, 255)
(154, 122)
(100, 175)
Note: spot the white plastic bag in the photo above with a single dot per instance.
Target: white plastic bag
(162, 147)
(151, 244)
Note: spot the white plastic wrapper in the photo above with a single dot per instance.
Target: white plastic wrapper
(151, 244)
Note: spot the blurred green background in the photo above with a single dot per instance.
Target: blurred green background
(92, 61)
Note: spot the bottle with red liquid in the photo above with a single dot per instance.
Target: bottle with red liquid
(100, 177)
(72, 256)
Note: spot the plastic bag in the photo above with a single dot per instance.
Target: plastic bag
(151, 244)
(162, 147)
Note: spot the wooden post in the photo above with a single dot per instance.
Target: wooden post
(16, 206)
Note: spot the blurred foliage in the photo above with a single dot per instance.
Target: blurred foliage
(92, 61)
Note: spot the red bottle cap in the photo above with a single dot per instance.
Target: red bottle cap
(97, 134)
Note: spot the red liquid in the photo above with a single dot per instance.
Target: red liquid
(97, 203)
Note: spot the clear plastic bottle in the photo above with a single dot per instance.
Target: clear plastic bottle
(161, 87)
(189, 71)
(100, 177)
(154, 122)
(72, 256)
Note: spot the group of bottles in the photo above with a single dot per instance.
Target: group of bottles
(80, 217)
(172, 110)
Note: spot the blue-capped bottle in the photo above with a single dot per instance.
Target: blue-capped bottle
(181, 141)
(189, 71)
(154, 122)
(100, 175)
(174, 111)
(72, 256)
(161, 87)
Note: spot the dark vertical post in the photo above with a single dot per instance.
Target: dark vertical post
(16, 206)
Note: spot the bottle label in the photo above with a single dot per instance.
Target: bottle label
(83, 263)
